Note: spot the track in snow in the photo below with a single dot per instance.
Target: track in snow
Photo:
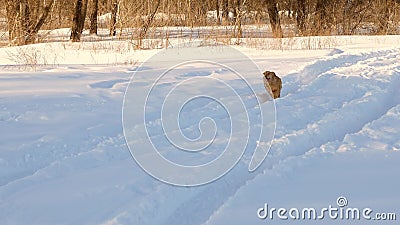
(319, 107)
(325, 105)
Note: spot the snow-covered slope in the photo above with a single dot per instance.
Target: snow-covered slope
(63, 157)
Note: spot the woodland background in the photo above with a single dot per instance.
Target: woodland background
(28, 21)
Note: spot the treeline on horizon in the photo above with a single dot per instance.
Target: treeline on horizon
(25, 18)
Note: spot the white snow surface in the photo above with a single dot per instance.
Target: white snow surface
(64, 160)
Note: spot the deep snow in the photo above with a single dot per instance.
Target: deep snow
(63, 157)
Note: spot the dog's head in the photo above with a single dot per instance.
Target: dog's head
(269, 75)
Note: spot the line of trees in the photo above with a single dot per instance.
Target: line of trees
(25, 18)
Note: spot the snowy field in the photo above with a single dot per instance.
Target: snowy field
(64, 157)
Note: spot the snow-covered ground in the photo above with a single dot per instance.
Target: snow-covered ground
(64, 159)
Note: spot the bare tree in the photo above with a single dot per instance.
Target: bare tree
(274, 19)
(114, 10)
(225, 10)
(22, 28)
(201, 12)
(147, 23)
(383, 18)
(188, 15)
(78, 20)
(93, 17)
(41, 20)
(83, 16)
(218, 14)
(320, 19)
(301, 16)
(238, 19)
(25, 19)
(15, 31)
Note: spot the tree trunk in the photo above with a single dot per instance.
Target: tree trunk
(114, 10)
(147, 23)
(93, 17)
(238, 21)
(13, 22)
(36, 10)
(25, 19)
(188, 15)
(78, 21)
(225, 10)
(60, 8)
(217, 10)
(274, 19)
(81, 23)
(301, 16)
(75, 34)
